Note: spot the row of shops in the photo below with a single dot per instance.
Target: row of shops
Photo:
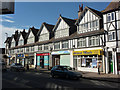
(83, 60)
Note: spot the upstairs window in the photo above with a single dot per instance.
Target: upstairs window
(32, 48)
(111, 36)
(65, 44)
(82, 42)
(45, 47)
(27, 49)
(110, 17)
(94, 41)
(57, 46)
(40, 47)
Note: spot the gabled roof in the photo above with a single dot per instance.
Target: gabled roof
(48, 26)
(34, 31)
(97, 13)
(23, 33)
(8, 40)
(112, 6)
(70, 22)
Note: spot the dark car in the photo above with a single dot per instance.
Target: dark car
(17, 67)
(3, 66)
(65, 71)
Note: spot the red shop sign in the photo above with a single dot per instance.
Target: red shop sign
(43, 54)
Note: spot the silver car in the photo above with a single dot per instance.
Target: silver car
(17, 67)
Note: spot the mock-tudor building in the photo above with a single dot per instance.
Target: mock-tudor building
(85, 44)
(111, 20)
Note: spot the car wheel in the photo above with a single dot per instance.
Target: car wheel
(52, 75)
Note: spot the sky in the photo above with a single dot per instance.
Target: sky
(29, 14)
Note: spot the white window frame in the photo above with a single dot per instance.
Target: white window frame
(82, 42)
(65, 45)
(58, 46)
(93, 41)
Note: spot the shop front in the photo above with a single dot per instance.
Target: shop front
(88, 60)
(29, 59)
(42, 60)
(61, 58)
(20, 59)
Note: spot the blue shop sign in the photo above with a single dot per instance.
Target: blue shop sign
(60, 52)
(20, 55)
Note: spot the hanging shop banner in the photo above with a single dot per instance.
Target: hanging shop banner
(83, 61)
(60, 52)
(46, 59)
(94, 62)
(89, 52)
(38, 60)
(43, 54)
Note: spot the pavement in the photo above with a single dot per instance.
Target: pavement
(89, 75)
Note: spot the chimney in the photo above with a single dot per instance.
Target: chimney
(80, 10)
(23, 30)
(16, 32)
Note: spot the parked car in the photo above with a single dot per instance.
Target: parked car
(17, 67)
(65, 71)
(3, 66)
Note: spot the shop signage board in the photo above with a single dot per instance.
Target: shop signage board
(46, 58)
(60, 52)
(43, 54)
(20, 55)
(89, 52)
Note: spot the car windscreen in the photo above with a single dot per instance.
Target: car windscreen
(18, 64)
(67, 68)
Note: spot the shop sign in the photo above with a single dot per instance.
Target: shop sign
(20, 55)
(60, 52)
(9, 56)
(43, 54)
(89, 52)
(26, 55)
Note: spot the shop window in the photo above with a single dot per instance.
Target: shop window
(89, 62)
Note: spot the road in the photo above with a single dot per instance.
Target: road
(42, 80)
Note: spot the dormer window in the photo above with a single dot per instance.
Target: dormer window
(21, 42)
